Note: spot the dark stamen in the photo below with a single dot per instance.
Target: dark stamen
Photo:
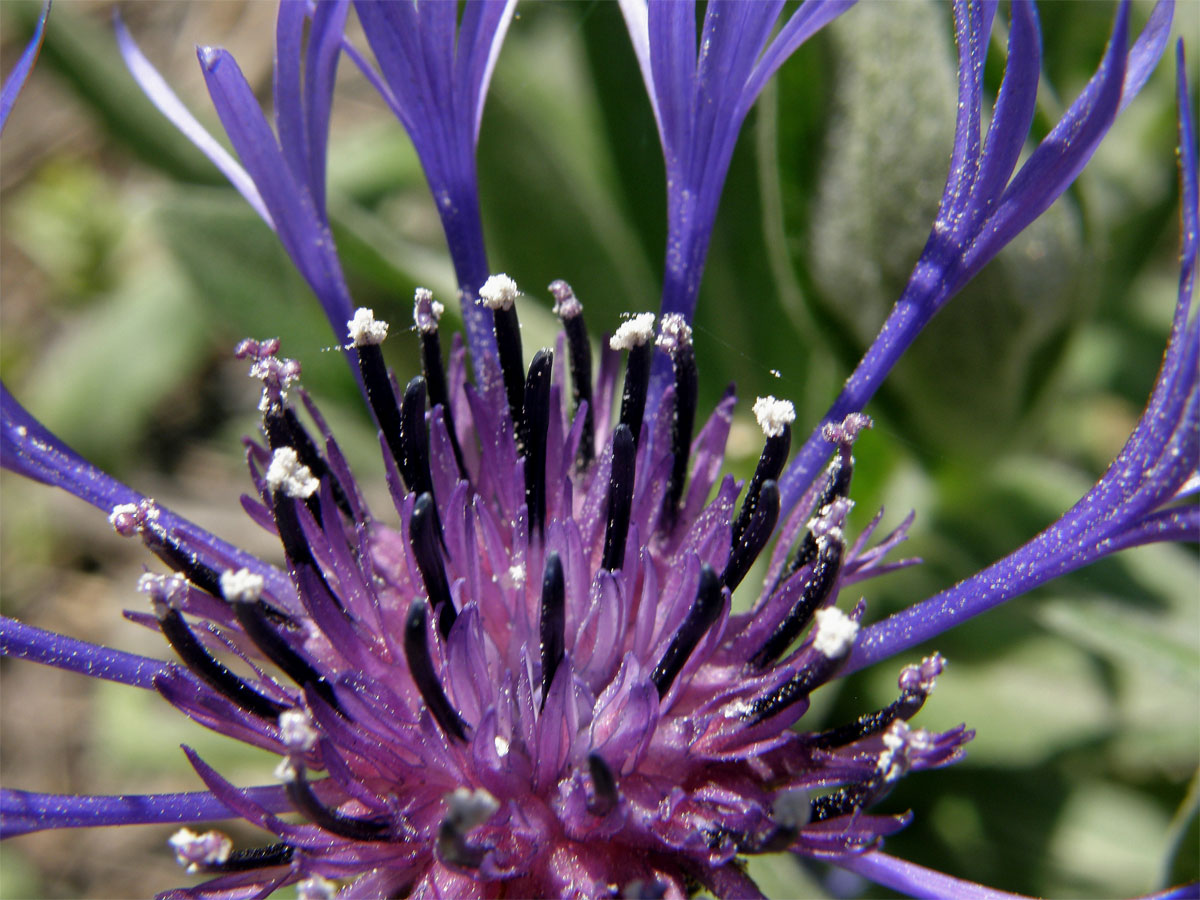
(553, 622)
(414, 439)
(604, 786)
(255, 858)
(758, 531)
(837, 485)
(770, 465)
(420, 665)
(291, 534)
(637, 383)
(185, 643)
(683, 360)
(907, 706)
(284, 430)
(700, 618)
(579, 351)
(306, 802)
(508, 344)
(382, 398)
(815, 594)
(250, 616)
(188, 564)
(620, 497)
(804, 683)
(842, 801)
(535, 420)
(423, 535)
(435, 373)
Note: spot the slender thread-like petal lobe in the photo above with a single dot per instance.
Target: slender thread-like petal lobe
(22, 812)
(160, 94)
(917, 881)
(700, 98)
(1126, 506)
(28, 447)
(23, 641)
(286, 194)
(984, 205)
(435, 74)
(16, 78)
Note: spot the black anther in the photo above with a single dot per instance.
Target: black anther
(701, 616)
(420, 665)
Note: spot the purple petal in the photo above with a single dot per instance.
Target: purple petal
(28, 447)
(22, 812)
(16, 78)
(302, 232)
(23, 641)
(161, 95)
(918, 881)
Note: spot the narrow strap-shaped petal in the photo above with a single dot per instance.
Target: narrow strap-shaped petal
(160, 94)
(979, 194)
(435, 78)
(16, 78)
(22, 812)
(23, 641)
(301, 231)
(1158, 460)
(29, 448)
(918, 881)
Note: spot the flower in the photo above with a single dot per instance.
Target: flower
(528, 677)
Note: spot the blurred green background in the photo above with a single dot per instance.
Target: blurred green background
(130, 269)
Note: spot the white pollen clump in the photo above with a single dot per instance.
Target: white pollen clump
(287, 472)
(501, 745)
(633, 332)
(499, 292)
(835, 632)
(674, 332)
(365, 329)
(316, 888)
(773, 415)
(122, 518)
(426, 311)
(469, 809)
(296, 730)
(198, 850)
(242, 586)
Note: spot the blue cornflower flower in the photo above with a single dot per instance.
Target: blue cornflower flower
(527, 679)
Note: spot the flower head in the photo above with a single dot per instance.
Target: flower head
(526, 676)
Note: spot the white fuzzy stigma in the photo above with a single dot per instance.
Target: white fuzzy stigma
(468, 809)
(199, 850)
(316, 888)
(773, 415)
(288, 474)
(674, 332)
(499, 292)
(242, 586)
(365, 329)
(835, 632)
(296, 730)
(633, 332)
(427, 312)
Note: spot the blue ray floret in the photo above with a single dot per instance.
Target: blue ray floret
(527, 676)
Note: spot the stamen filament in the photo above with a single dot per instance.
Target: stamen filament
(420, 665)
(700, 618)
(553, 621)
(620, 497)
(307, 803)
(197, 658)
(423, 536)
(535, 422)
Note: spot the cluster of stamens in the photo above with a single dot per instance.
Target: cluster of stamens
(627, 639)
